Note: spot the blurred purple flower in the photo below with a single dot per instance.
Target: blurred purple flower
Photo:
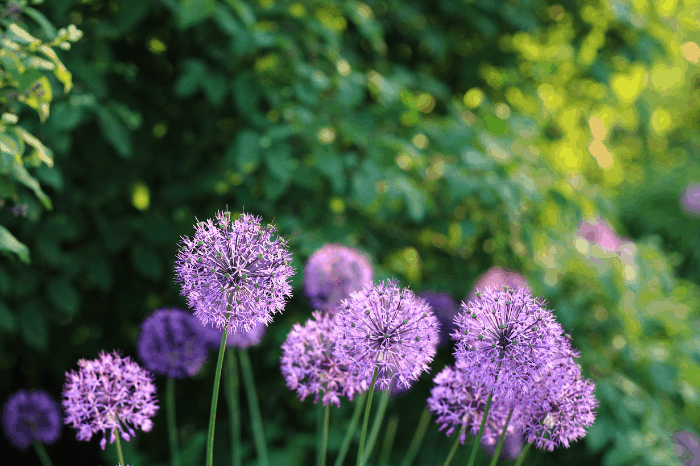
(241, 339)
(171, 343)
(686, 448)
(234, 268)
(504, 336)
(690, 200)
(496, 276)
(386, 327)
(332, 273)
(31, 415)
(446, 309)
(598, 231)
(308, 364)
(457, 403)
(19, 210)
(107, 392)
(512, 445)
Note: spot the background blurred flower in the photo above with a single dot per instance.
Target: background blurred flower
(171, 343)
(308, 364)
(496, 276)
(598, 231)
(234, 268)
(690, 200)
(104, 389)
(386, 327)
(31, 415)
(332, 273)
(687, 448)
(446, 309)
(241, 339)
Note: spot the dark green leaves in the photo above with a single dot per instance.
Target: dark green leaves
(243, 154)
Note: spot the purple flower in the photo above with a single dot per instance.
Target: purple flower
(458, 403)
(598, 231)
(512, 445)
(171, 343)
(308, 364)
(690, 200)
(386, 327)
(31, 415)
(332, 273)
(19, 210)
(240, 339)
(497, 277)
(446, 309)
(234, 268)
(504, 336)
(106, 392)
(686, 448)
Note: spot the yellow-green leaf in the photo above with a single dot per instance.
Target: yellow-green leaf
(62, 74)
(8, 242)
(45, 154)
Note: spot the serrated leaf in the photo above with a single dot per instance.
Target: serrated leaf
(8, 322)
(19, 173)
(244, 153)
(63, 296)
(34, 328)
(114, 131)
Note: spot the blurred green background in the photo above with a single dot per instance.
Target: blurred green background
(441, 138)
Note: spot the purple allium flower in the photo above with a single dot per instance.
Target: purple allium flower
(332, 273)
(496, 276)
(240, 339)
(458, 403)
(171, 343)
(446, 309)
(386, 327)
(690, 200)
(504, 336)
(308, 364)
(512, 445)
(19, 210)
(686, 448)
(31, 415)
(598, 231)
(234, 268)
(104, 389)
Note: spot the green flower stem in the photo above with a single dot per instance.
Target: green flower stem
(494, 459)
(119, 451)
(42, 453)
(172, 429)
(522, 455)
(214, 399)
(376, 424)
(454, 447)
(417, 439)
(475, 448)
(249, 382)
(325, 434)
(319, 433)
(351, 429)
(231, 387)
(388, 440)
(366, 419)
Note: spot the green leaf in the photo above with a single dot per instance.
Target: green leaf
(65, 117)
(474, 159)
(193, 74)
(193, 449)
(495, 125)
(244, 153)
(114, 132)
(100, 270)
(34, 328)
(245, 94)
(460, 184)
(331, 166)
(274, 188)
(45, 24)
(280, 162)
(19, 173)
(9, 243)
(7, 188)
(130, 13)
(8, 322)
(364, 182)
(413, 197)
(194, 11)
(146, 262)
(215, 88)
(63, 296)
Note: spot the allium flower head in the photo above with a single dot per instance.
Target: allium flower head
(446, 309)
(171, 343)
(236, 269)
(457, 403)
(690, 200)
(31, 415)
(332, 273)
(388, 328)
(240, 339)
(308, 364)
(504, 336)
(106, 393)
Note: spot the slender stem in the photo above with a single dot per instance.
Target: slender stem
(417, 439)
(231, 387)
(319, 433)
(454, 447)
(119, 451)
(351, 430)
(388, 440)
(325, 434)
(42, 453)
(475, 448)
(214, 398)
(494, 459)
(249, 382)
(366, 419)
(374, 432)
(172, 428)
(522, 455)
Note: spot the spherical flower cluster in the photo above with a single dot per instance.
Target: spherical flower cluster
(387, 328)
(446, 309)
(458, 403)
(332, 273)
(503, 336)
(690, 200)
(234, 272)
(171, 344)
(106, 393)
(31, 416)
(309, 367)
(241, 339)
